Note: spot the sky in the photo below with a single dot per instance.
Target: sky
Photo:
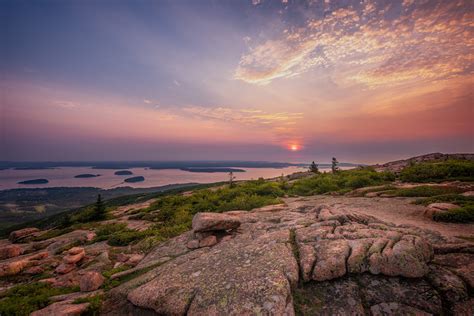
(365, 81)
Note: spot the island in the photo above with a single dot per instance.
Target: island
(34, 181)
(87, 175)
(135, 179)
(212, 170)
(33, 168)
(123, 173)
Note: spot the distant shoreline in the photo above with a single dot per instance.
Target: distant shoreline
(211, 170)
(155, 165)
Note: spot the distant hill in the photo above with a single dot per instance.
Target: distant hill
(23, 205)
(398, 165)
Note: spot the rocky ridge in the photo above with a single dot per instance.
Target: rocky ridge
(398, 165)
(341, 261)
(320, 255)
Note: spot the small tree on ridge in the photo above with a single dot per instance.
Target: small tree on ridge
(99, 209)
(231, 179)
(313, 167)
(334, 165)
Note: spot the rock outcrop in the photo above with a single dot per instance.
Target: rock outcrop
(319, 255)
(63, 308)
(344, 261)
(397, 166)
(23, 234)
(211, 228)
(10, 251)
(91, 281)
(205, 222)
(439, 208)
(16, 265)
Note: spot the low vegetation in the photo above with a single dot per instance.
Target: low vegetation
(464, 214)
(172, 213)
(425, 191)
(177, 210)
(340, 181)
(95, 302)
(446, 198)
(25, 298)
(462, 170)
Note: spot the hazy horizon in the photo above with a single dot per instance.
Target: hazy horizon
(257, 80)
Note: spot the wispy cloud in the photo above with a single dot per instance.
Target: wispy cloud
(374, 44)
(244, 116)
(282, 125)
(65, 104)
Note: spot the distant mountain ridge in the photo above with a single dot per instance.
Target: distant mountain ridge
(398, 165)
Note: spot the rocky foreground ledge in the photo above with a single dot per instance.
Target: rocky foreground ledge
(315, 259)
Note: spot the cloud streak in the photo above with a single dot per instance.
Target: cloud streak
(372, 44)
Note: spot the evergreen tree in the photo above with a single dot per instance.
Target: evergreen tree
(334, 165)
(313, 168)
(99, 209)
(231, 179)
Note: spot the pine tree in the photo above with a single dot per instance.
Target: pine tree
(231, 179)
(313, 167)
(99, 209)
(334, 165)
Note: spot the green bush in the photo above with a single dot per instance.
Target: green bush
(461, 215)
(449, 198)
(439, 171)
(103, 232)
(425, 190)
(341, 181)
(173, 214)
(464, 214)
(126, 237)
(26, 298)
(245, 196)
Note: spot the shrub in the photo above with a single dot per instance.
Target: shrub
(124, 238)
(461, 215)
(104, 231)
(425, 190)
(26, 298)
(341, 181)
(450, 198)
(439, 171)
(87, 214)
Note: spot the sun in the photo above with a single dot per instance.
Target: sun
(294, 147)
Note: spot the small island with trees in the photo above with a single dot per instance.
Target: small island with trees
(87, 175)
(135, 179)
(212, 170)
(123, 173)
(34, 181)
